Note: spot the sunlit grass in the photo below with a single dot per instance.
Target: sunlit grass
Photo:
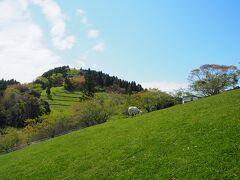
(198, 140)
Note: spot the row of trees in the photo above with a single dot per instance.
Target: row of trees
(5, 83)
(101, 81)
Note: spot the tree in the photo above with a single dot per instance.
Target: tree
(59, 70)
(152, 100)
(68, 85)
(43, 81)
(78, 82)
(2, 116)
(49, 94)
(89, 84)
(18, 104)
(211, 79)
(73, 72)
(5, 83)
(57, 79)
(105, 82)
(3, 86)
(178, 95)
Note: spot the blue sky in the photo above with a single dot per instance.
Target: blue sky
(155, 43)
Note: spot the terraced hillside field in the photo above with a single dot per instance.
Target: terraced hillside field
(198, 140)
(62, 100)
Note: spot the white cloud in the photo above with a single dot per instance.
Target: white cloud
(55, 16)
(93, 33)
(8, 9)
(99, 47)
(22, 53)
(167, 86)
(80, 12)
(84, 20)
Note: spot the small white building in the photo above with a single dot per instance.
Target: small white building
(187, 99)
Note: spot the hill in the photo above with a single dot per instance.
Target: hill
(86, 80)
(61, 88)
(198, 140)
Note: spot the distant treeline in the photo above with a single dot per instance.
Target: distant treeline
(5, 83)
(107, 82)
(88, 80)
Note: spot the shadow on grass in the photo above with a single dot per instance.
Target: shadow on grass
(63, 100)
(67, 96)
(55, 104)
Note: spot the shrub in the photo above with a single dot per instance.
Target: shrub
(151, 101)
(9, 140)
(90, 112)
(78, 82)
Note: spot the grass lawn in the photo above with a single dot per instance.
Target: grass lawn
(198, 140)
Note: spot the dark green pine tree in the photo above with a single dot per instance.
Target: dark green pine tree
(68, 85)
(89, 85)
(49, 94)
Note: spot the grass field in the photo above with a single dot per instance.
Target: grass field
(198, 140)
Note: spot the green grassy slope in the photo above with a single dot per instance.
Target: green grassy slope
(198, 140)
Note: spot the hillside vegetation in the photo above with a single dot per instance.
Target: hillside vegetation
(62, 87)
(33, 112)
(198, 140)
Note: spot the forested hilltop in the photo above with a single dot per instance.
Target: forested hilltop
(86, 80)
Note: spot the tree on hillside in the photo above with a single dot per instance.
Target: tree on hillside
(64, 70)
(178, 95)
(211, 79)
(88, 88)
(2, 116)
(78, 82)
(5, 83)
(20, 103)
(44, 82)
(68, 85)
(151, 101)
(56, 80)
(107, 82)
(49, 94)
(73, 72)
